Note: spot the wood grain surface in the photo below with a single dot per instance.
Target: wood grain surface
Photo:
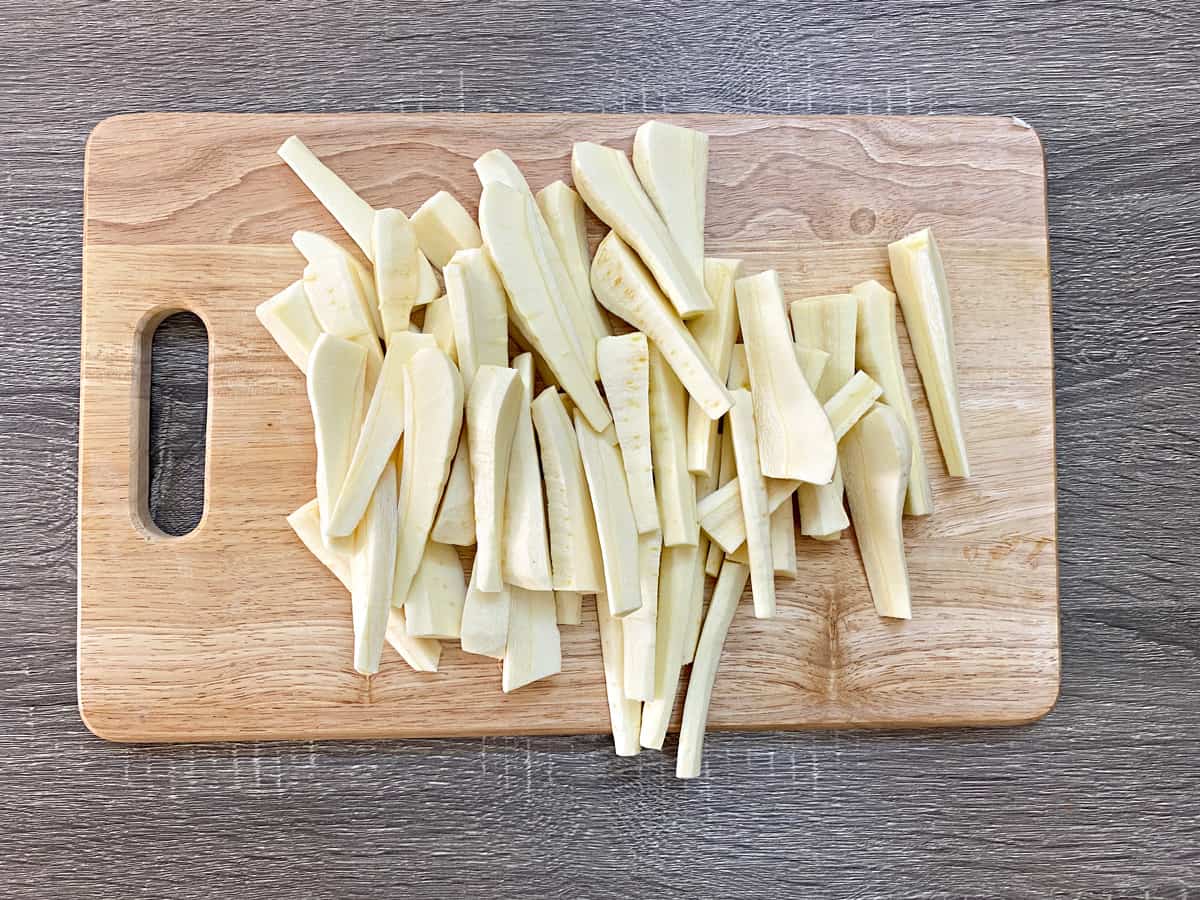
(1098, 800)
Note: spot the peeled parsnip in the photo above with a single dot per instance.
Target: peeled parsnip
(563, 212)
(493, 407)
(696, 609)
(288, 317)
(673, 485)
(337, 298)
(877, 352)
(851, 403)
(335, 392)
(421, 654)
(526, 561)
(352, 212)
(439, 322)
(715, 333)
(672, 165)
(608, 184)
(676, 598)
(812, 364)
(444, 227)
(624, 714)
(727, 473)
(639, 628)
(875, 457)
(794, 438)
(626, 289)
(533, 650)
(753, 493)
(434, 608)
(485, 618)
(313, 246)
(455, 521)
(920, 280)
(569, 606)
(730, 585)
(397, 270)
(478, 309)
(371, 572)
(624, 364)
(783, 540)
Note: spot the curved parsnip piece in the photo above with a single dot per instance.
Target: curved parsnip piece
(575, 558)
(533, 650)
(672, 165)
(440, 324)
(608, 184)
(380, 432)
(728, 591)
(338, 300)
(920, 280)
(715, 333)
(626, 289)
(673, 485)
(614, 518)
(505, 220)
(478, 309)
(455, 522)
(624, 714)
(371, 571)
(877, 353)
(314, 246)
(289, 318)
(497, 166)
(492, 410)
(526, 553)
(485, 618)
(794, 438)
(434, 607)
(433, 414)
(397, 269)
(335, 392)
(753, 493)
(352, 212)
(563, 212)
(875, 457)
(444, 227)
(421, 654)
(639, 628)
(625, 373)
(676, 598)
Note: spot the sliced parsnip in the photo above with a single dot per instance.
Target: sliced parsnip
(380, 432)
(455, 522)
(533, 650)
(672, 165)
(564, 214)
(493, 407)
(639, 628)
(485, 618)
(498, 166)
(673, 485)
(337, 298)
(696, 609)
(624, 364)
(728, 472)
(575, 557)
(608, 184)
(505, 219)
(371, 571)
(352, 212)
(335, 393)
(783, 540)
(434, 608)
(439, 322)
(876, 456)
(526, 560)
(614, 518)
(877, 353)
(794, 439)
(920, 280)
(433, 414)
(851, 403)
(444, 227)
(626, 289)
(397, 269)
(676, 597)
(288, 317)
(730, 585)
(752, 490)
(421, 654)
(479, 311)
(715, 333)
(569, 605)
(812, 364)
(624, 714)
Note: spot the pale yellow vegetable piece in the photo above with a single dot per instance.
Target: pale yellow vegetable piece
(715, 333)
(614, 518)
(485, 618)
(428, 288)
(352, 212)
(673, 485)
(920, 280)
(794, 438)
(444, 227)
(876, 456)
(371, 571)
(506, 218)
(639, 628)
(564, 214)
(625, 373)
(337, 298)
(335, 393)
(728, 472)
(877, 352)
(421, 654)
(812, 364)
(575, 558)
(851, 403)
(498, 166)
(672, 165)
(783, 540)
(625, 288)
(478, 309)
(569, 605)
(493, 407)
(526, 560)
(624, 714)
(455, 522)
(753, 493)
(696, 609)
(313, 246)
(676, 598)
(288, 317)
(533, 650)
(434, 607)
(433, 414)
(608, 184)
(397, 269)
(728, 592)
(439, 322)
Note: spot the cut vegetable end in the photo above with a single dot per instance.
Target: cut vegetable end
(533, 650)
(485, 617)
(753, 492)
(353, 213)
(638, 629)
(676, 586)
(624, 714)
(526, 549)
(624, 364)
(674, 488)
(493, 407)
(443, 227)
(569, 606)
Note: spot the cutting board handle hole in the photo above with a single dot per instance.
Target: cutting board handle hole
(171, 453)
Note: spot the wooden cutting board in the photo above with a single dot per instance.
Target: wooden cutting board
(235, 632)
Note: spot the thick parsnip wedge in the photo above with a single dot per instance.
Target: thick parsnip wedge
(455, 522)
(440, 324)
(498, 166)
(875, 458)
(533, 650)
(337, 297)
(728, 592)
(794, 438)
(485, 618)
(626, 289)
(506, 218)
(614, 518)
(421, 654)
(444, 227)
(434, 608)
(608, 184)
(877, 353)
(397, 269)
(851, 403)
(288, 317)
(920, 280)
(639, 628)
(352, 212)
(672, 165)
(526, 560)
(371, 571)
(493, 407)
(715, 333)
(575, 557)
(752, 490)
(625, 373)
(564, 214)
(624, 714)
(479, 311)
(674, 487)
(783, 540)
(433, 414)
(335, 392)
(569, 605)
(676, 598)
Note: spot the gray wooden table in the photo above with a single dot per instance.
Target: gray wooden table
(1101, 799)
